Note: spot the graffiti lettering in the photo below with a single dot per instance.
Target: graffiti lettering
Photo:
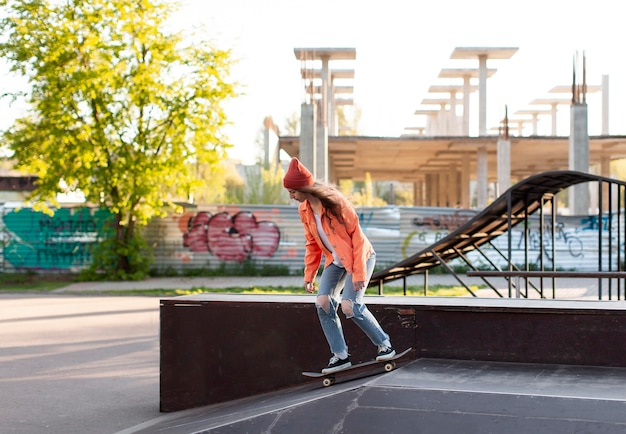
(38, 241)
(592, 223)
(234, 238)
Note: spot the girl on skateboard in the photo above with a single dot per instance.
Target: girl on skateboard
(332, 231)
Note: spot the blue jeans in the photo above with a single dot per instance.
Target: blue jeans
(335, 279)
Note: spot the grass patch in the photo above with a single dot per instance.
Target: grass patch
(200, 290)
(30, 282)
(32, 287)
(433, 291)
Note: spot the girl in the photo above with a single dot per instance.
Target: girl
(332, 230)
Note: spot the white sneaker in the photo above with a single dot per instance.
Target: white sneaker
(385, 353)
(336, 364)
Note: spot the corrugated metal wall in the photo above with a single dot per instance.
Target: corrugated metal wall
(210, 236)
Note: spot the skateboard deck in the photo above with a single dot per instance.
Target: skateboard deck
(329, 379)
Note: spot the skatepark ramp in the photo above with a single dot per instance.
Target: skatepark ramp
(513, 208)
(217, 347)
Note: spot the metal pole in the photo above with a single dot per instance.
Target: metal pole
(600, 205)
(610, 240)
(510, 238)
(619, 240)
(541, 235)
(553, 207)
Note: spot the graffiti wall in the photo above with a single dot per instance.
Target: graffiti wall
(210, 236)
(272, 235)
(33, 240)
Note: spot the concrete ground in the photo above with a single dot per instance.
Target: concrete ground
(90, 363)
(427, 396)
(78, 364)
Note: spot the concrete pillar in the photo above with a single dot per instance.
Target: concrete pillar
(270, 153)
(504, 165)
(444, 185)
(553, 109)
(481, 178)
(324, 104)
(465, 183)
(605, 105)
(605, 170)
(266, 145)
(428, 181)
(431, 125)
(434, 196)
(535, 121)
(321, 153)
(482, 95)
(321, 149)
(442, 121)
(579, 158)
(333, 128)
(418, 193)
(432, 188)
(605, 165)
(466, 104)
(453, 124)
(308, 136)
(454, 191)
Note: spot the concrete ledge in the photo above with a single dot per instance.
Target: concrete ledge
(216, 348)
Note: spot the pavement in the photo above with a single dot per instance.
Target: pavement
(76, 363)
(427, 396)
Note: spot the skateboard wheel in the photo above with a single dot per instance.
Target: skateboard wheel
(328, 381)
(390, 366)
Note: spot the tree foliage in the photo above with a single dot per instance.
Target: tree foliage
(119, 108)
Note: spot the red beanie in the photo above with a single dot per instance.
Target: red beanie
(297, 176)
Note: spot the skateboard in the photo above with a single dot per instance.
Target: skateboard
(329, 379)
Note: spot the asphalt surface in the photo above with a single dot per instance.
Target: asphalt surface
(90, 363)
(78, 364)
(427, 396)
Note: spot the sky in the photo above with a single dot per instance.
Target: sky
(401, 46)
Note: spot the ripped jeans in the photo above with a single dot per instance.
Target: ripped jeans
(335, 279)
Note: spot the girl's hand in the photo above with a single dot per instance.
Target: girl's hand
(309, 287)
(358, 285)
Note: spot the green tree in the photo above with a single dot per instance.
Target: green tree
(120, 109)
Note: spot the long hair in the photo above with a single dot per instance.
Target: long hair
(331, 198)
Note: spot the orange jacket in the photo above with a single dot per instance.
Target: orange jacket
(348, 241)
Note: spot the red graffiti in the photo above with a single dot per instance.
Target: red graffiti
(234, 238)
(196, 236)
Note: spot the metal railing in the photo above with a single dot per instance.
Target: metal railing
(532, 195)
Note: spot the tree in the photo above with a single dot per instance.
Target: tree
(120, 109)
